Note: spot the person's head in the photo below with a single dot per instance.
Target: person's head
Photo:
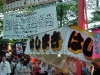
(3, 58)
(25, 63)
(21, 60)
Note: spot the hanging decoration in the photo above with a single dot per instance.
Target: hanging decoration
(19, 4)
(71, 41)
(96, 45)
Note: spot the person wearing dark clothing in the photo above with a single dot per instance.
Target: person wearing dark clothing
(45, 73)
(96, 71)
(8, 59)
(37, 73)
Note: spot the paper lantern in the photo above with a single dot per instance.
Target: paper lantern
(13, 5)
(36, 2)
(32, 2)
(29, 2)
(19, 4)
(7, 7)
(16, 4)
(10, 5)
(4, 7)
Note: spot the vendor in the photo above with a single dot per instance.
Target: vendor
(96, 68)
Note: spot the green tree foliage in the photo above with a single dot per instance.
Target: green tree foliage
(96, 16)
(95, 20)
(67, 13)
(4, 41)
(2, 2)
(1, 5)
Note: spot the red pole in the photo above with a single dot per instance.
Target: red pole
(79, 67)
(81, 24)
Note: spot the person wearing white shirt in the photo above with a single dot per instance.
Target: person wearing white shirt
(19, 67)
(5, 68)
(44, 67)
(50, 70)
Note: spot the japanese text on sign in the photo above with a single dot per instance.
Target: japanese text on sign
(22, 25)
(77, 44)
(96, 44)
(56, 42)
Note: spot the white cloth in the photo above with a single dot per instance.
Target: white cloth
(43, 68)
(5, 68)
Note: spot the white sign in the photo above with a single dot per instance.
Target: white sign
(49, 42)
(19, 48)
(19, 26)
(70, 41)
(80, 44)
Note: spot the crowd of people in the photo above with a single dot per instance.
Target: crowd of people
(23, 66)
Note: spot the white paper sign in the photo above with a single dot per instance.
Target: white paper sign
(19, 48)
(65, 40)
(19, 26)
(50, 42)
(80, 44)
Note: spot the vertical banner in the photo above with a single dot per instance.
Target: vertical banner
(96, 44)
(19, 48)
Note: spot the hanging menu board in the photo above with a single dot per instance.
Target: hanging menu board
(19, 26)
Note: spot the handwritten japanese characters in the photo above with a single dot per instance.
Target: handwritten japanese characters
(46, 42)
(22, 25)
(97, 42)
(65, 40)
(77, 44)
(88, 48)
(37, 44)
(56, 42)
(32, 44)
